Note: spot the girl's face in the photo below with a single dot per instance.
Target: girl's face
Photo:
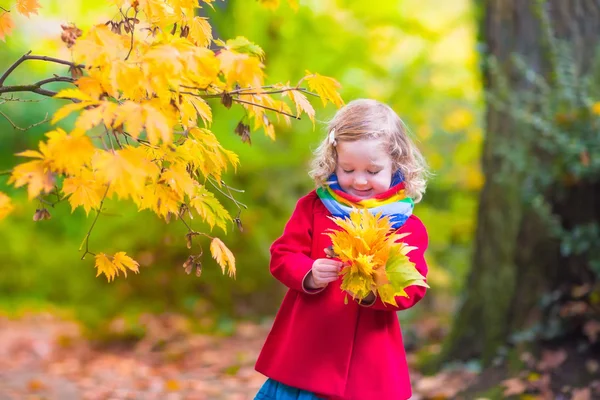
(364, 167)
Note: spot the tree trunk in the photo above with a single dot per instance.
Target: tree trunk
(515, 259)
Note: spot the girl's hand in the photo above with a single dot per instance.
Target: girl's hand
(324, 270)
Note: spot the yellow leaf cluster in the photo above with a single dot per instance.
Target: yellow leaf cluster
(375, 261)
(111, 266)
(6, 206)
(141, 108)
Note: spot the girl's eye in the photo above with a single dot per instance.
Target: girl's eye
(374, 172)
(348, 171)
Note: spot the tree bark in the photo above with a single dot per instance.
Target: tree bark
(515, 260)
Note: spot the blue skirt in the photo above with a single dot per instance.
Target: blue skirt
(273, 390)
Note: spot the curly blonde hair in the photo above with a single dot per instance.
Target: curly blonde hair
(371, 119)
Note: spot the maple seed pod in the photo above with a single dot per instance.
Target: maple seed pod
(226, 100)
(243, 131)
(41, 214)
(198, 269)
(189, 264)
(238, 222)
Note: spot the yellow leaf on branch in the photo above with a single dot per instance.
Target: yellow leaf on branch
(6, 205)
(110, 266)
(126, 170)
(105, 266)
(326, 87)
(161, 199)
(301, 102)
(223, 255)
(84, 190)
(243, 69)
(200, 31)
(209, 208)
(36, 175)
(124, 263)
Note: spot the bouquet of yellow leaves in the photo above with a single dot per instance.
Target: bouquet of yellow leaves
(374, 259)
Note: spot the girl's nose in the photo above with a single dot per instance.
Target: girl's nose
(360, 181)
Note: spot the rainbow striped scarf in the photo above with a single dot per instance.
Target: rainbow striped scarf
(393, 202)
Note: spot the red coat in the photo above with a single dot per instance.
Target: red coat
(318, 343)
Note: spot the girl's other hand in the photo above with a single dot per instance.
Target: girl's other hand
(324, 270)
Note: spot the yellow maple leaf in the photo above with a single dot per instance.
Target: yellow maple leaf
(302, 104)
(70, 152)
(67, 109)
(200, 31)
(6, 206)
(209, 208)
(36, 175)
(178, 178)
(84, 190)
(123, 262)
(105, 266)
(110, 266)
(6, 25)
(243, 69)
(326, 87)
(127, 170)
(223, 256)
(161, 199)
(27, 7)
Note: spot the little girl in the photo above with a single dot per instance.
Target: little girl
(319, 347)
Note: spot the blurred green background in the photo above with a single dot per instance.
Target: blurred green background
(416, 55)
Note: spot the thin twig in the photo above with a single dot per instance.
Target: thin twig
(132, 27)
(242, 92)
(229, 196)
(89, 232)
(267, 108)
(6, 172)
(46, 119)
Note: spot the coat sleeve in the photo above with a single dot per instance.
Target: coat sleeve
(290, 254)
(418, 238)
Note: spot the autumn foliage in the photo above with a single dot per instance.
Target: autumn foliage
(375, 259)
(141, 88)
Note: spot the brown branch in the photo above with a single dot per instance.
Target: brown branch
(36, 87)
(27, 88)
(27, 56)
(46, 119)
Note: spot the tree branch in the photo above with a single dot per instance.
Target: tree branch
(27, 56)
